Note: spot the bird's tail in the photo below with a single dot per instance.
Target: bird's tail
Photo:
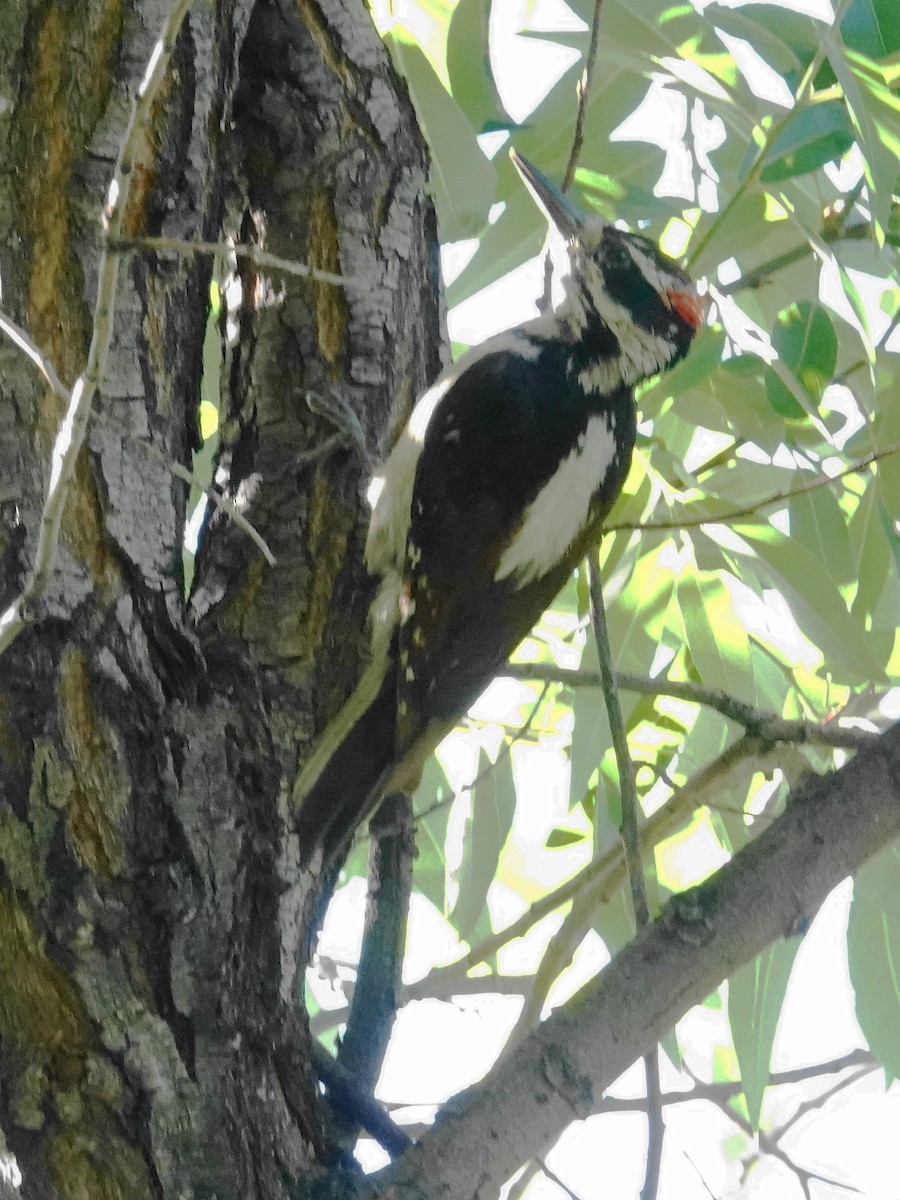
(342, 779)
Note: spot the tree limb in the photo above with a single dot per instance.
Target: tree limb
(756, 721)
(832, 825)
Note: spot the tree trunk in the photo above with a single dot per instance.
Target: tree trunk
(151, 907)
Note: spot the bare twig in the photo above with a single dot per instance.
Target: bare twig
(554, 1178)
(259, 258)
(346, 1095)
(522, 1184)
(20, 338)
(556, 958)
(584, 93)
(224, 503)
(863, 1061)
(70, 437)
(379, 974)
(749, 510)
(604, 875)
(634, 862)
(505, 751)
(804, 91)
(765, 725)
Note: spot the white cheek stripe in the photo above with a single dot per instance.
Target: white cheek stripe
(559, 511)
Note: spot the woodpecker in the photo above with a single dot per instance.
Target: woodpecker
(496, 489)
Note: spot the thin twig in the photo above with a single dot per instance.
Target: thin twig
(757, 721)
(834, 229)
(222, 502)
(73, 428)
(20, 338)
(605, 874)
(584, 92)
(656, 1126)
(505, 751)
(749, 510)
(720, 1093)
(346, 1095)
(631, 840)
(554, 1178)
(259, 258)
(801, 95)
(634, 862)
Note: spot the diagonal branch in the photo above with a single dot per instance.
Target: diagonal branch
(605, 874)
(756, 721)
(832, 824)
(749, 510)
(584, 95)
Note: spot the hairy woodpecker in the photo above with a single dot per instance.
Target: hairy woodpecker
(498, 486)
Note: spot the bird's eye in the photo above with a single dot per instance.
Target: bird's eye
(617, 256)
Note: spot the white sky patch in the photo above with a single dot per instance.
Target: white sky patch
(455, 257)
(761, 78)
(559, 511)
(525, 69)
(704, 444)
(510, 300)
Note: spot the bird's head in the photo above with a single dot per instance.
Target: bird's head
(640, 295)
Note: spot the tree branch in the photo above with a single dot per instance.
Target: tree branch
(601, 877)
(70, 437)
(584, 93)
(832, 824)
(756, 721)
(256, 256)
(634, 859)
(355, 1103)
(379, 976)
(749, 510)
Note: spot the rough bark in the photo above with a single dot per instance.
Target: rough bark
(150, 903)
(152, 911)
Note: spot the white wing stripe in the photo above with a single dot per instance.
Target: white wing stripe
(559, 511)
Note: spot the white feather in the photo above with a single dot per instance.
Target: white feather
(560, 510)
(392, 487)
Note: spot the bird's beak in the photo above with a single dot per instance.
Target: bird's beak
(562, 212)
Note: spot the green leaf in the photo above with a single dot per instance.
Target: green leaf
(874, 111)
(590, 739)
(775, 48)
(817, 605)
(560, 837)
(755, 998)
(493, 809)
(871, 553)
(718, 642)
(613, 195)
(818, 523)
(455, 153)
(738, 385)
(814, 135)
(433, 793)
(873, 948)
(705, 356)
(469, 65)
(806, 343)
(872, 27)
